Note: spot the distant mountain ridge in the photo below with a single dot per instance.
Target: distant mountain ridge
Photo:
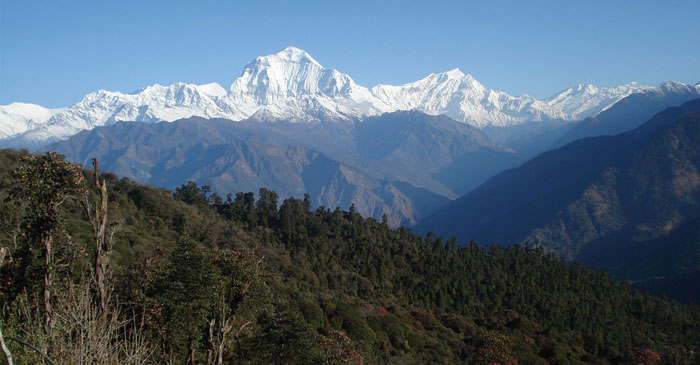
(387, 165)
(627, 203)
(631, 111)
(290, 85)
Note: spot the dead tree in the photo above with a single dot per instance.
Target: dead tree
(5, 257)
(103, 232)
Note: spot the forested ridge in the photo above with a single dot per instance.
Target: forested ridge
(193, 277)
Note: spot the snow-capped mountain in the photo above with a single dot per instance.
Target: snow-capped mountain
(463, 98)
(150, 104)
(290, 85)
(19, 117)
(584, 100)
(631, 112)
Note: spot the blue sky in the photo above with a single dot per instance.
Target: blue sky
(52, 53)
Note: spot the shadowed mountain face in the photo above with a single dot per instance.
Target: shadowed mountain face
(414, 138)
(450, 157)
(630, 112)
(602, 200)
(396, 164)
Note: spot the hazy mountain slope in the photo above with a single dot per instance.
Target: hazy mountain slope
(432, 152)
(631, 187)
(402, 158)
(432, 148)
(631, 111)
(470, 170)
(400, 146)
(220, 154)
(414, 138)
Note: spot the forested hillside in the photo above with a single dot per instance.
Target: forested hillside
(626, 203)
(192, 277)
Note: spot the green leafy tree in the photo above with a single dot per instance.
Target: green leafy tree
(44, 183)
(190, 193)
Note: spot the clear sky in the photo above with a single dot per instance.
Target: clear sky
(54, 52)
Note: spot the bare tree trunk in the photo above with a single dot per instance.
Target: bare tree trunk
(219, 337)
(103, 233)
(5, 349)
(48, 280)
(5, 253)
(210, 351)
(191, 357)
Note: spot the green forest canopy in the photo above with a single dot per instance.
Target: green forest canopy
(290, 284)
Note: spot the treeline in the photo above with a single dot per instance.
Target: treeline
(199, 278)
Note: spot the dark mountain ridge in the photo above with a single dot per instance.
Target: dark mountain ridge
(592, 195)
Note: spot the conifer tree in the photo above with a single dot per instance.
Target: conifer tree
(185, 290)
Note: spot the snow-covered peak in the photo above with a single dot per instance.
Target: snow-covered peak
(289, 77)
(288, 73)
(677, 87)
(454, 73)
(453, 77)
(176, 91)
(30, 110)
(213, 89)
(290, 54)
(429, 94)
(150, 104)
(461, 97)
(584, 100)
(19, 117)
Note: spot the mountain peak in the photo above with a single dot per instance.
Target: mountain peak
(289, 54)
(584, 87)
(455, 73)
(674, 86)
(293, 81)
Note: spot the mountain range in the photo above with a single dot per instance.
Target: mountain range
(631, 111)
(394, 164)
(627, 203)
(401, 164)
(291, 86)
(604, 176)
